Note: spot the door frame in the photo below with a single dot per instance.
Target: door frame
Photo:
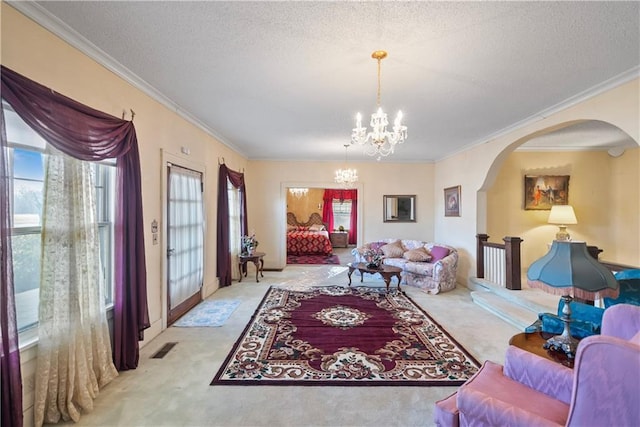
(166, 158)
(284, 188)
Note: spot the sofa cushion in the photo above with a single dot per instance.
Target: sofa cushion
(375, 246)
(417, 255)
(438, 252)
(393, 250)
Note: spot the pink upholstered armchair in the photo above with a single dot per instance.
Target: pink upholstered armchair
(602, 390)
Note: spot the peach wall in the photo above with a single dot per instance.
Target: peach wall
(475, 169)
(266, 192)
(603, 191)
(29, 49)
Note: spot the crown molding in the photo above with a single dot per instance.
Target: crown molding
(593, 91)
(59, 28)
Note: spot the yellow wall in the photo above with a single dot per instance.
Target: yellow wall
(304, 206)
(476, 169)
(603, 191)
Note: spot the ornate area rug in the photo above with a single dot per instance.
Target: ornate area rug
(313, 259)
(209, 313)
(344, 336)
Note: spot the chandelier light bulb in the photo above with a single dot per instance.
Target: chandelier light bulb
(379, 141)
(346, 177)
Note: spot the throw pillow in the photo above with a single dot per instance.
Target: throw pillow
(375, 246)
(393, 250)
(417, 255)
(438, 252)
(316, 227)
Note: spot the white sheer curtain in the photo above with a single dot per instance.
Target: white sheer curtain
(186, 234)
(234, 228)
(74, 350)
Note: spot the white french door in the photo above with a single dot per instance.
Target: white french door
(185, 241)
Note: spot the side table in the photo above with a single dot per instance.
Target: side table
(339, 239)
(533, 342)
(256, 259)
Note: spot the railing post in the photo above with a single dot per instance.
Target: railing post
(481, 239)
(512, 263)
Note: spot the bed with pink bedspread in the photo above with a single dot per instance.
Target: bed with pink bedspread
(307, 238)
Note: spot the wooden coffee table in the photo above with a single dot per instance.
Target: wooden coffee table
(386, 271)
(533, 342)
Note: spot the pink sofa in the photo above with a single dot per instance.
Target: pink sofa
(602, 390)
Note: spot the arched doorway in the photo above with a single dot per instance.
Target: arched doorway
(603, 163)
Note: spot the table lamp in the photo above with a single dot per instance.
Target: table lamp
(562, 215)
(568, 270)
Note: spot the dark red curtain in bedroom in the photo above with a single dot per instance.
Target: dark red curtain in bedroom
(327, 211)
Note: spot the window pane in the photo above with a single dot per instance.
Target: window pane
(27, 164)
(28, 172)
(27, 203)
(26, 272)
(105, 204)
(341, 214)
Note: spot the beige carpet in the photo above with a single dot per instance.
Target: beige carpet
(175, 390)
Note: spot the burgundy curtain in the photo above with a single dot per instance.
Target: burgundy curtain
(327, 208)
(88, 134)
(327, 211)
(223, 268)
(10, 375)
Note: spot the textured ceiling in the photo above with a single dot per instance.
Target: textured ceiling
(284, 80)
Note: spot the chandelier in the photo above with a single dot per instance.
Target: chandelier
(298, 192)
(346, 177)
(379, 142)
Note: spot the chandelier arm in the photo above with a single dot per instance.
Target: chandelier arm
(379, 141)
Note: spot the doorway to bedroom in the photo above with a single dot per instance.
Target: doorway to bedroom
(319, 222)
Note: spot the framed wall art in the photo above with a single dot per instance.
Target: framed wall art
(543, 191)
(452, 201)
(399, 208)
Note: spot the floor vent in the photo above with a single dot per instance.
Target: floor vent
(164, 350)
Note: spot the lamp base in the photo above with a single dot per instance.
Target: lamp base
(562, 234)
(564, 343)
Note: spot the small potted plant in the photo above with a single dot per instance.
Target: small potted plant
(249, 244)
(373, 258)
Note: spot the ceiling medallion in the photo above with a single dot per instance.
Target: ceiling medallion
(379, 142)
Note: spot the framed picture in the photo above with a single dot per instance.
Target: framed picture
(543, 191)
(452, 201)
(399, 208)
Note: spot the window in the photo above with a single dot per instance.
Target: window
(341, 214)
(26, 165)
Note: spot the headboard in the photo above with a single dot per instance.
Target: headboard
(314, 219)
